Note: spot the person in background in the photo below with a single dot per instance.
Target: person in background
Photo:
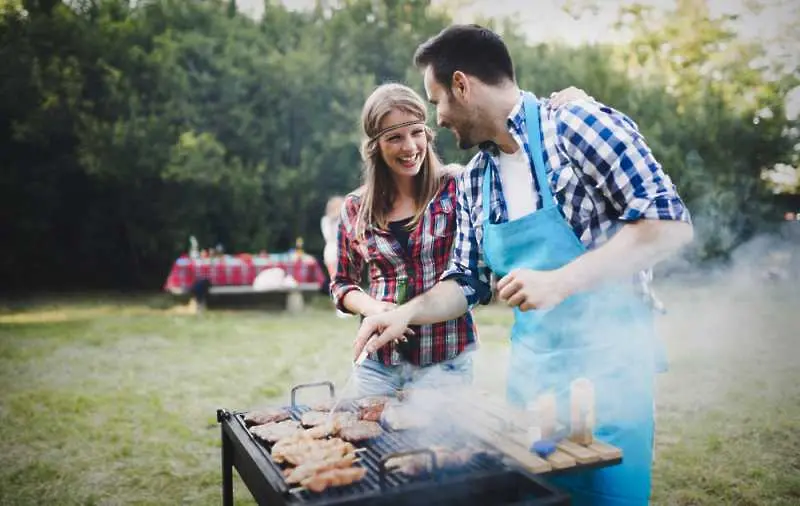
(567, 206)
(329, 224)
(401, 225)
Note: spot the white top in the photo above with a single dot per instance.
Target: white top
(516, 178)
(330, 228)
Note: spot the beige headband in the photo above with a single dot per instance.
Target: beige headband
(395, 127)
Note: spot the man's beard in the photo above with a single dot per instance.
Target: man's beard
(465, 140)
(465, 144)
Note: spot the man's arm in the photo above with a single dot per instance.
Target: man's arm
(641, 244)
(463, 285)
(445, 301)
(608, 150)
(637, 246)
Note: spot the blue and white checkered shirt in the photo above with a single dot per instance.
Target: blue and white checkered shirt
(600, 170)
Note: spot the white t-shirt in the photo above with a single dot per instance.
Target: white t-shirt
(516, 178)
(330, 228)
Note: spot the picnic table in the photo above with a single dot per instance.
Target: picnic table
(234, 274)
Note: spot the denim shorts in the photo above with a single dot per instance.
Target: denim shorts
(375, 378)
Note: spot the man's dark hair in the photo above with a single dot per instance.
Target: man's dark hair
(472, 49)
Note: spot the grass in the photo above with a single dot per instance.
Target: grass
(110, 400)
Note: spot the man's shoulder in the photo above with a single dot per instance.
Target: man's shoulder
(581, 114)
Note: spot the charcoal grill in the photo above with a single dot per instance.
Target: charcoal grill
(487, 479)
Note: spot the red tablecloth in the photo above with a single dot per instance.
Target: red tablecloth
(241, 270)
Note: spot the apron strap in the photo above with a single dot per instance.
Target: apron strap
(485, 189)
(536, 159)
(533, 124)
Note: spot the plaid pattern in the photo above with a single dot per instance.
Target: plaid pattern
(241, 271)
(601, 172)
(396, 276)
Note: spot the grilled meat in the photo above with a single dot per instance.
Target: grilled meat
(421, 462)
(370, 408)
(275, 431)
(322, 431)
(334, 478)
(328, 405)
(360, 431)
(333, 426)
(297, 474)
(371, 414)
(263, 416)
(298, 451)
(371, 402)
(315, 418)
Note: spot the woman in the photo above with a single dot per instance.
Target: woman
(400, 223)
(329, 225)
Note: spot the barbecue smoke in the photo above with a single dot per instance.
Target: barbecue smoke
(712, 326)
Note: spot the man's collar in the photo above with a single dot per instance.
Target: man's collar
(514, 123)
(516, 113)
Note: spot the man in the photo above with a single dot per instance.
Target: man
(568, 208)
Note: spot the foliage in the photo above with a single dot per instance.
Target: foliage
(126, 127)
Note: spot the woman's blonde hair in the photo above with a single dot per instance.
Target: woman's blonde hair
(379, 191)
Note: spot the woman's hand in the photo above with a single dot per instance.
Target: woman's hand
(378, 307)
(567, 95)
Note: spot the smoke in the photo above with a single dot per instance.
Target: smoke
(724, 321)
(726, 324)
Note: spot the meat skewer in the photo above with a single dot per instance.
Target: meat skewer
(297, 474)
(334, 478)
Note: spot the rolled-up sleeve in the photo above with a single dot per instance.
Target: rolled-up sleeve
(349, 262)
(466, 265)
(608, 148)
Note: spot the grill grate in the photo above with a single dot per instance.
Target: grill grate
(486, 479)
(395, 442)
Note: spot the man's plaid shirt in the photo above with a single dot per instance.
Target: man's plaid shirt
(601, 172)
(393, 271)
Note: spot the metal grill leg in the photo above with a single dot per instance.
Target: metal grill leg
(227, 471)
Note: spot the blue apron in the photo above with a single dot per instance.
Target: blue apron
(605, 335)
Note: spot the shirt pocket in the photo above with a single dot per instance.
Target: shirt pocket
(575, 197)
(444, 218)
(365, 248)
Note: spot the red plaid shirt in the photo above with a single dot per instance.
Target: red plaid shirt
(393, 271)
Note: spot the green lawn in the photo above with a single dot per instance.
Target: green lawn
(112, 401)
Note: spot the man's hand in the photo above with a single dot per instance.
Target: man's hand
(379, 329)
(531, 289)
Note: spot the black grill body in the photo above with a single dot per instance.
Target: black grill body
(488, 479)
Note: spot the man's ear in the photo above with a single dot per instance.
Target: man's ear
(461, 85)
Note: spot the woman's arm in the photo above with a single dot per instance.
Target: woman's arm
(346, 282)
(359, 302)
